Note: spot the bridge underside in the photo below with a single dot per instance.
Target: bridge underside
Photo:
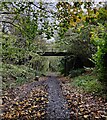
(54, 53)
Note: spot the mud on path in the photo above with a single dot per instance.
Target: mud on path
(57, 106)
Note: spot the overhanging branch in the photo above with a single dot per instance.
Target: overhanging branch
(41, 8)
(9, 12)
(10, 23)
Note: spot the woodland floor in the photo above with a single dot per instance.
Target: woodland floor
(51, 98)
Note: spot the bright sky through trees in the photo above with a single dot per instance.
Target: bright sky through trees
(72, 0)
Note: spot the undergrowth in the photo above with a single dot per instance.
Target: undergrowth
(89, 83)
(15, 75)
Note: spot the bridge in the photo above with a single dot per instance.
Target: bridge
(79, 63)
(54, 53)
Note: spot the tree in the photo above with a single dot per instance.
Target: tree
(24, 26)
(99, 38)
(75, 21)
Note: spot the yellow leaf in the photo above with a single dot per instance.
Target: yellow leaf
(42, 98)
(81, 109)
(30, 111)
(37, 99)
(16, 103)
(43, 113)
(86, 116)
(38, 114)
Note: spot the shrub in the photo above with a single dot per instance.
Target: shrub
(77, 72)
(89, 83)
(100, 60)
(15, 74)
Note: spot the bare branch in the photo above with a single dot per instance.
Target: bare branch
(8, 12)
(41, 8)
(11, 24)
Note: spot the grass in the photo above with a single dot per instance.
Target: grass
(88, 83)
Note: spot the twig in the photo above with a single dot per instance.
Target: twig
(10, 23)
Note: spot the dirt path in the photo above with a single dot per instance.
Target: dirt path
(41, 99)
(52, 98)
(57, 108)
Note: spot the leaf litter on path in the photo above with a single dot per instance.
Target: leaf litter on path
(31, 106)
(83, 106)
